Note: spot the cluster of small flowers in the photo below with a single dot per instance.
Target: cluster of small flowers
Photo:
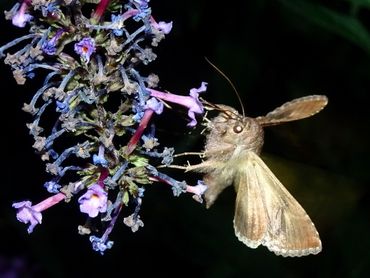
(91, 62)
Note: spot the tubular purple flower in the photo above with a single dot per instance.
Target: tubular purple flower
(191, 102)
(134, 222)
(141, 4)
(100, 159)
(198, 190)
(52, 186)
(161, 26)
(49, 47)
(101, 244)
(130, 13)
(21, 17)
(26, 213)
(155, 105)
(117, 24)
(94, 200)
(85, 48)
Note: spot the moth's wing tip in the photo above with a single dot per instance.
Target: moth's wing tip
(322, 99)
(293, 253)
(250, 243)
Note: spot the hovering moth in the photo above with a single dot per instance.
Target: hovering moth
(265, 212)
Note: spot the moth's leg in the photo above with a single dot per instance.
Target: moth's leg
(208, 153)
(204, 166)
(200, 154)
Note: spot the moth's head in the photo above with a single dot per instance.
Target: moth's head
(231, 127)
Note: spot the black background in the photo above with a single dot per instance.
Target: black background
(273, 51)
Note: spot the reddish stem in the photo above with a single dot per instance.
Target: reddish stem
(104, 173)
(100, 9)
(139, 131)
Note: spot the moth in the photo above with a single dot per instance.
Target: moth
(265, 212)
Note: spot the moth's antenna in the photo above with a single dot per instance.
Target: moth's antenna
(231, 83)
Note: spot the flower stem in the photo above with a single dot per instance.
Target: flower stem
(104, 173)
(100, 9)
(139, 131)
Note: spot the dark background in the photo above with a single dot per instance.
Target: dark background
(273, 51)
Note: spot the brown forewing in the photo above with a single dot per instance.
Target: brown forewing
(290, 231)
(250, 219)
(296, 109)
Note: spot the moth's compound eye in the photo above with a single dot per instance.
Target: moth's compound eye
(237, 128)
